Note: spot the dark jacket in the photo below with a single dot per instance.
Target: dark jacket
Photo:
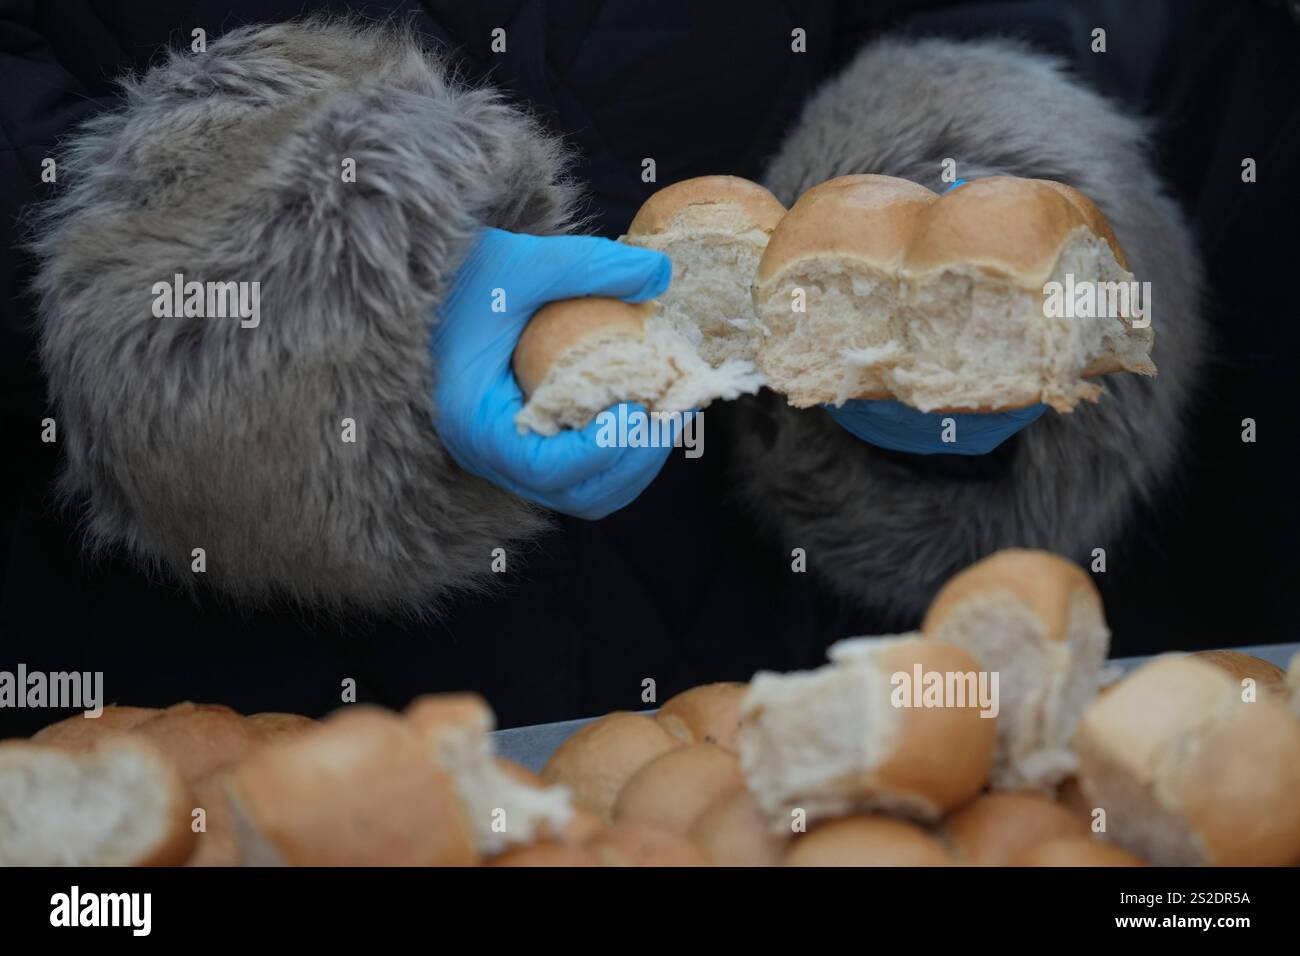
(317, 561)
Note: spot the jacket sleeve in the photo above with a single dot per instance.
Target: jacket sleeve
(295, 447)
(885, 530)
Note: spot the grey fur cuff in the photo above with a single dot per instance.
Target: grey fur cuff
(212, 433)
(886, 530)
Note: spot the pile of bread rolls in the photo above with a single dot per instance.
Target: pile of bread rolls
(1190, 759)
(868, 287)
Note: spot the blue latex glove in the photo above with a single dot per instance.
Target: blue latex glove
(891, 424)
(476, 396)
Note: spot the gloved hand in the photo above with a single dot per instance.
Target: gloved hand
(891, 424)
(476, 395)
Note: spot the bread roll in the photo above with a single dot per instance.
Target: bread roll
(1268, 677)
(672, 790)
(577, 357)
(200, 738)
(274, 726)
(502, 811)
(1036, 620)
(601, 757)
(633, 844)
(868, 840)
(1188, 773)
(360, 790)
(994, 827)
(832, 741)
(545, 854)
(117, 803)
(732, 832)
(1293, 684)
(939, 301)
(1074, 851)
(714, 229)
(216, 844)
(707, 714)
(81, 733)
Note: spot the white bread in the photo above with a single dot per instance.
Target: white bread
(359, 790)
(601, 757)
(577, 357)
(581, 826)
(708, 714)
(502, 811)
(831, 741)
(117, 803)
(733, 832)
(995, 827)
(867, 840)
(672, 790)
(1188, 773)
(1074, 851)
(938, 301)
(1035, 619)
(80, 733)
(714, 229)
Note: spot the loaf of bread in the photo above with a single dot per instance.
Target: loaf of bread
(1035, 620)
(118, 802)
(876, 287)
(834, 740)
(1188, 772)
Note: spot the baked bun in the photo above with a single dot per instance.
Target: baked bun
(1074, 851)
(577, 357)
(601, 757)
(672, 790)
(1189, 773)
(1268, 677)
(274, 726)
(994, 827)
(732, 832)
(200, 739)
(708, 714)
(634, 844)
(867, 840)
(545, 854)
(714, 229)
(359, 790)
(80, 733)
(939, 301)
(117, 803)
(502, 811)
(1036, 620)
(215, 844)
(831, 741)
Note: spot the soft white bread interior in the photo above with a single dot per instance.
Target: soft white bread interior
(714, 229)
(1188, 772)
(502, 811)
(117, 803)
(832, 741)
(577, 357)
(359, 790)
(1035, 620)
(876, 287)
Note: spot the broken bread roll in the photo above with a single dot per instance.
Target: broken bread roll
(876, 287)
(714, 229)
(119, 802)
(577, 357)
(502, 811)
(1188, 772)
(843, 739)
(1036, 620)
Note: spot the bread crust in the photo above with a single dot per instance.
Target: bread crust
(559, 326)
(601, 757)
(867, 840)
(709, 713)
(1075, 851)
(995, 827)
(763, 210)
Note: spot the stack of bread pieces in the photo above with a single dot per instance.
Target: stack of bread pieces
(988, 737)
(868, 287)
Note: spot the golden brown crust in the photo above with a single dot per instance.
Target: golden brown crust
(601, 757)
(270, 725)
(1074, 851)
(1267, 676)
(200, 738)
(942, 754)
(630, 844)
(317, 800)
(565, 324)
(733, 832)
(995, 827)
(545, 854)
(216, 845)
(759, 206)
(80, 733)
(1042, 581)
(670, 791)
(867, 840)
(709, 713)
